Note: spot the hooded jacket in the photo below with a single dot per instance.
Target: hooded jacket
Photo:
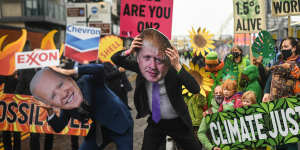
(253, 84)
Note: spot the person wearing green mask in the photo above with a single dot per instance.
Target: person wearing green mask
(250, 81)
(234, 64)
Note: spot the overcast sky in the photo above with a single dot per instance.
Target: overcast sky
(211, 14)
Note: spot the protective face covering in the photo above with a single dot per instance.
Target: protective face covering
(286, 53)
(219, 99)
(243, 83)
(235, 54)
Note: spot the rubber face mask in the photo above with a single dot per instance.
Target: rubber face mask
(286, 53)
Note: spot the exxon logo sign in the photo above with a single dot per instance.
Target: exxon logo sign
(37, 59)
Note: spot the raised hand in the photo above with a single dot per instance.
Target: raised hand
(174, 58)
(136, 44)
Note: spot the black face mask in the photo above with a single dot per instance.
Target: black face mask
(286, 54)
(243, 83)
(219, 99)
(235, 54)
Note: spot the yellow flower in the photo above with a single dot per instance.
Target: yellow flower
(202, 78)
(201, 41)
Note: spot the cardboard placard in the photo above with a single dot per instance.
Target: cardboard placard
(249, 16)
(259, 125)
(137, 15)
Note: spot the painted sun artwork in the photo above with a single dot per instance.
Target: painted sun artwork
(202, 78)
(201, 41)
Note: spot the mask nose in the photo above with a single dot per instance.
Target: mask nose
(153, 64)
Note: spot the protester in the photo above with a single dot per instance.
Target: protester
(235, 63)
(117, 81)
(160, 77)
(215, 66)
(87, 98)
(203, 128)
(232, 98)
(10, 83)
(250, 81)
(284, 78)
(248, 98)
(288, 65)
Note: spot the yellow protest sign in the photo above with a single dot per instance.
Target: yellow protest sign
(108, 46)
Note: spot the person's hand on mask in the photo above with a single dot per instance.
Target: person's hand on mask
(136, 44)
(174, 58)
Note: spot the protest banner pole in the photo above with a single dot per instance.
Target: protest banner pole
(290, 34)
(250, 48)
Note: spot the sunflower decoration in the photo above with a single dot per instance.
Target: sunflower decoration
(201, 76)
(201, 41)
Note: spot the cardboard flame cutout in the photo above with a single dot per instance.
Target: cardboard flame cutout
(49, 44)
(7, 54)
(2, 39)
(48, 41)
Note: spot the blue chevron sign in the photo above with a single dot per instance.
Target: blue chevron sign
(82, 42)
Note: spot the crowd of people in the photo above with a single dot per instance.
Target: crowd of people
(98, 91)
(239, 83)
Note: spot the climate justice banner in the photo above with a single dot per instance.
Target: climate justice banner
(137, 15)
(22, 114)
(273, 123)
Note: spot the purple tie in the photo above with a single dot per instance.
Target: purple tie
(155, 102)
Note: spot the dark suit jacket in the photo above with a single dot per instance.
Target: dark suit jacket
(105, 106)
(117, 81)
(173, 83)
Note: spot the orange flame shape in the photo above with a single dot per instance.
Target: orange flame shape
(2, 40)
(7, 55)
(48, 41)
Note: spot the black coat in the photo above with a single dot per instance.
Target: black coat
(117, 81)
(10, 83)
(173, 83)
(25, 77)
